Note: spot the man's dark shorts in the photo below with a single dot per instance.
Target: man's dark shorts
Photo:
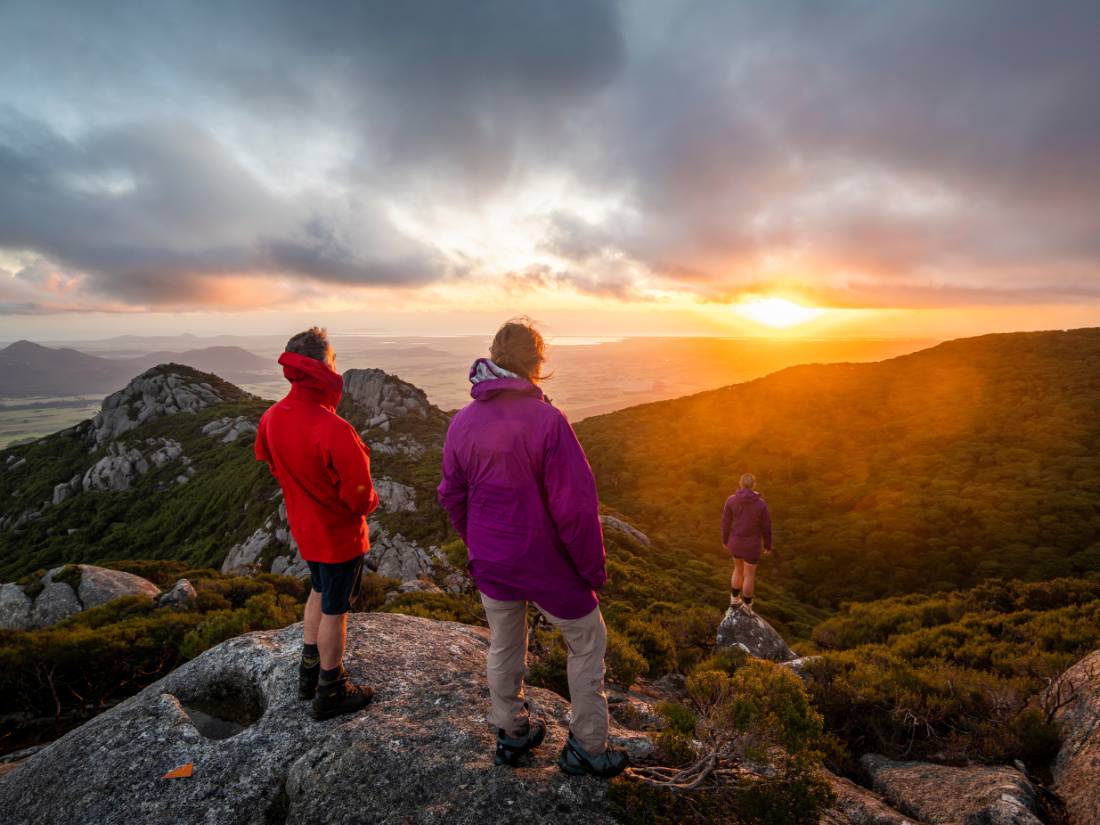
(338, 584)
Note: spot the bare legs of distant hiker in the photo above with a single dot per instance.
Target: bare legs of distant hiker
(585, 639)
(744, 577)
(329, 633)
(742, 583)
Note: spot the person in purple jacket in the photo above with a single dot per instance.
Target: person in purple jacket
(746, 532)
(518, 489)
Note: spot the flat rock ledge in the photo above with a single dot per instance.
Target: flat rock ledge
(945, 795)
(858, 806)
(1077, 767)
(422, 752)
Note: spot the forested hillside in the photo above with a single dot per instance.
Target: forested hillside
(972, 459)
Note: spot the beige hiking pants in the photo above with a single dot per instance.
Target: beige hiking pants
(586, 641)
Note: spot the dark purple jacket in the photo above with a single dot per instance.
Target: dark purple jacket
(746, 523)
(520, 492)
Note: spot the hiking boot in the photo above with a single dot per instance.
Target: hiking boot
(339, 697)
(735, 601)
(510, 749)
(746, 608)
(307, 681)
(576, 761)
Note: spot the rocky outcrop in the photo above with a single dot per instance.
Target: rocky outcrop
(181, 595)
(67, 489)
(163, 390)
(422, 752)
(944, 795)
(244, 558)
(613, 523)
(166, 450)
(15, 522)
(122, 464)
(1076, 697)
(15, 607)
(227, 430)
(754, 636)
(396, 557)
(398, 445)
(57, 599)
(858, 806)
(116, 470)
(248, 556)
(384, 397)
(99, 585)
(395, 497)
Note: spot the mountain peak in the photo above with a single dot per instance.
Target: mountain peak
(161, 390)
(23, 345)
(381, 397)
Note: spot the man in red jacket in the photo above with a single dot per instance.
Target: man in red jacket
(324, 470)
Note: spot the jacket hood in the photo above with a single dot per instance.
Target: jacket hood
(747, 493)
(311, 376)
(490, 380)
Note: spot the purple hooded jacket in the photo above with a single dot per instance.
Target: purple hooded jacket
(746, 523)
(518, 489)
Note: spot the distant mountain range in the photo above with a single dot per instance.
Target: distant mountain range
(28, 369)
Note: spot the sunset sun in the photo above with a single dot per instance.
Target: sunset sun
(776, 312)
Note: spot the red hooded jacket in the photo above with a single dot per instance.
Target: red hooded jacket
(320, 462)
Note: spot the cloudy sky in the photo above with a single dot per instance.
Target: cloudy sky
(907, 167)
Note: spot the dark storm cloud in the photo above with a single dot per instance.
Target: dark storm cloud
(897, 139)
(922, 149)
(147, 208)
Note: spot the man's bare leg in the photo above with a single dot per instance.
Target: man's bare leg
(309, 670)
(332, 637)
(312, 618)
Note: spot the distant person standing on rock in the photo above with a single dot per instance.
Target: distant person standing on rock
(324, 470)
(519, 490)
(746, 532)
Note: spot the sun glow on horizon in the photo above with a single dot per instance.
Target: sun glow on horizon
(779, 313)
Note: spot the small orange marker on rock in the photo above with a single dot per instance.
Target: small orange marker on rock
(182, 772)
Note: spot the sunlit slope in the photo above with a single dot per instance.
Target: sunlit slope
(976, 458)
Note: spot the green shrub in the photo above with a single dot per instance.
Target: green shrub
(761, 705)
(796, 796)
(760, 714)
(69, 574)
(624, 663)
(725, 660)
(874, 700)
(549, 668)
(693, 630)
(655, 645)
(953, 675)
(439, 606)
(372, 592)
(674, 742)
